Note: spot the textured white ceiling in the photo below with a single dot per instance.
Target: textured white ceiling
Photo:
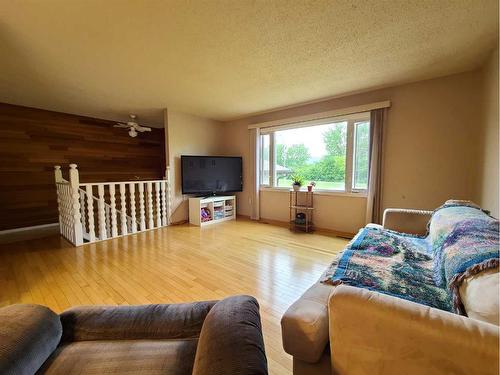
(223, 59)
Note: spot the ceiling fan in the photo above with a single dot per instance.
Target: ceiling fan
(132, 126)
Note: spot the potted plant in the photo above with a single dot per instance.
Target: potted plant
(298, 181)
(310, 186)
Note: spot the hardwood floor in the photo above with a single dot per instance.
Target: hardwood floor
(173, 264)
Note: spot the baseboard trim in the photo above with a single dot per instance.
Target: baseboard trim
(28, 233)
(325, 231)
(23, 229)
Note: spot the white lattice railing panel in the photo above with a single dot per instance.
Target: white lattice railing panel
(91, 212)
(65, 211)
(68, 201)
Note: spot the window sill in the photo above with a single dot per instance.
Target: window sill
(316, 192)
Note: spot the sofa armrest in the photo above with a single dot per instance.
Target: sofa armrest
(134, 322)
(28, 336)
(375, 333)
(406, 220)
(231, 340)
(304, 326)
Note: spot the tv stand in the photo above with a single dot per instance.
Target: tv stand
(213, 209)
(207, 196)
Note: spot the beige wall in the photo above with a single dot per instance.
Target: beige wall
(343, 214)
(188, 135)
(431, 146)
(437, 133)
(487, 182)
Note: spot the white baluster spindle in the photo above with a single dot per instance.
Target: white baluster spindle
(133, 222)
(108, 220)
(149, 187)
(69, 221)
(123, 209)
(112, 203)
(142, 217)
(82, 210)
(163, 204)
(158, 204)
(169, 198)
(102, 213)
(90, 212)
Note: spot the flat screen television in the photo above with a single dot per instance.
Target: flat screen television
(211, 175)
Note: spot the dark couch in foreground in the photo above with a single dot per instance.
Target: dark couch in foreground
(223, 337)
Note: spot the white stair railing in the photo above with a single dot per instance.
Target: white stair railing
(68, 201)
(88, 211)
(90, 235)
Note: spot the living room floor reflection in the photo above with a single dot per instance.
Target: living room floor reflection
(174, 264)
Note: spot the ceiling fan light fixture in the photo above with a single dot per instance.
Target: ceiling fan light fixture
(132, 132)
(133, 127)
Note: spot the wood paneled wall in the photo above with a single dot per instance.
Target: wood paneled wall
(32, 141)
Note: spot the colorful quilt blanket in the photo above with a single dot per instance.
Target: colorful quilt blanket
(462, 240)
(465, 241)
(392, 263)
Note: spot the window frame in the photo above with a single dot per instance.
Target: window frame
(261, 161)
(354, 130)
(350, 144)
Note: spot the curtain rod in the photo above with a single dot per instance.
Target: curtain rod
(323, 115)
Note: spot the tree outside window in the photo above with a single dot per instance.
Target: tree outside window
(319, 153)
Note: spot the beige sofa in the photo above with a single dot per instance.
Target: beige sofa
(348, 330)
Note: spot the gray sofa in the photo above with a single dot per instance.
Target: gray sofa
(223, 337)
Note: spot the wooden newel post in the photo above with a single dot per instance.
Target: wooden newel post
(58, 173)
(74, 182)
(58, 178)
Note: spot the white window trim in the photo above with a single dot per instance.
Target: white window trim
(303, 124)
(316, 192)
(349, 154)
(351, 119)
(363, 191)
(261, 161)
(322, 115)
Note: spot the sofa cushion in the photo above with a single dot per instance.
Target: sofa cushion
(169, 321)
(322, 367)
(28, 336)
(465, 242)
(372, 333)
(304, 325)
(445, 217)
(407, 221)
(123, 357)
(456, 221)
(480, 295)
(392, 263)
(231, 340)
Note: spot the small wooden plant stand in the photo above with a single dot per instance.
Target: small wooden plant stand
(301, 202)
